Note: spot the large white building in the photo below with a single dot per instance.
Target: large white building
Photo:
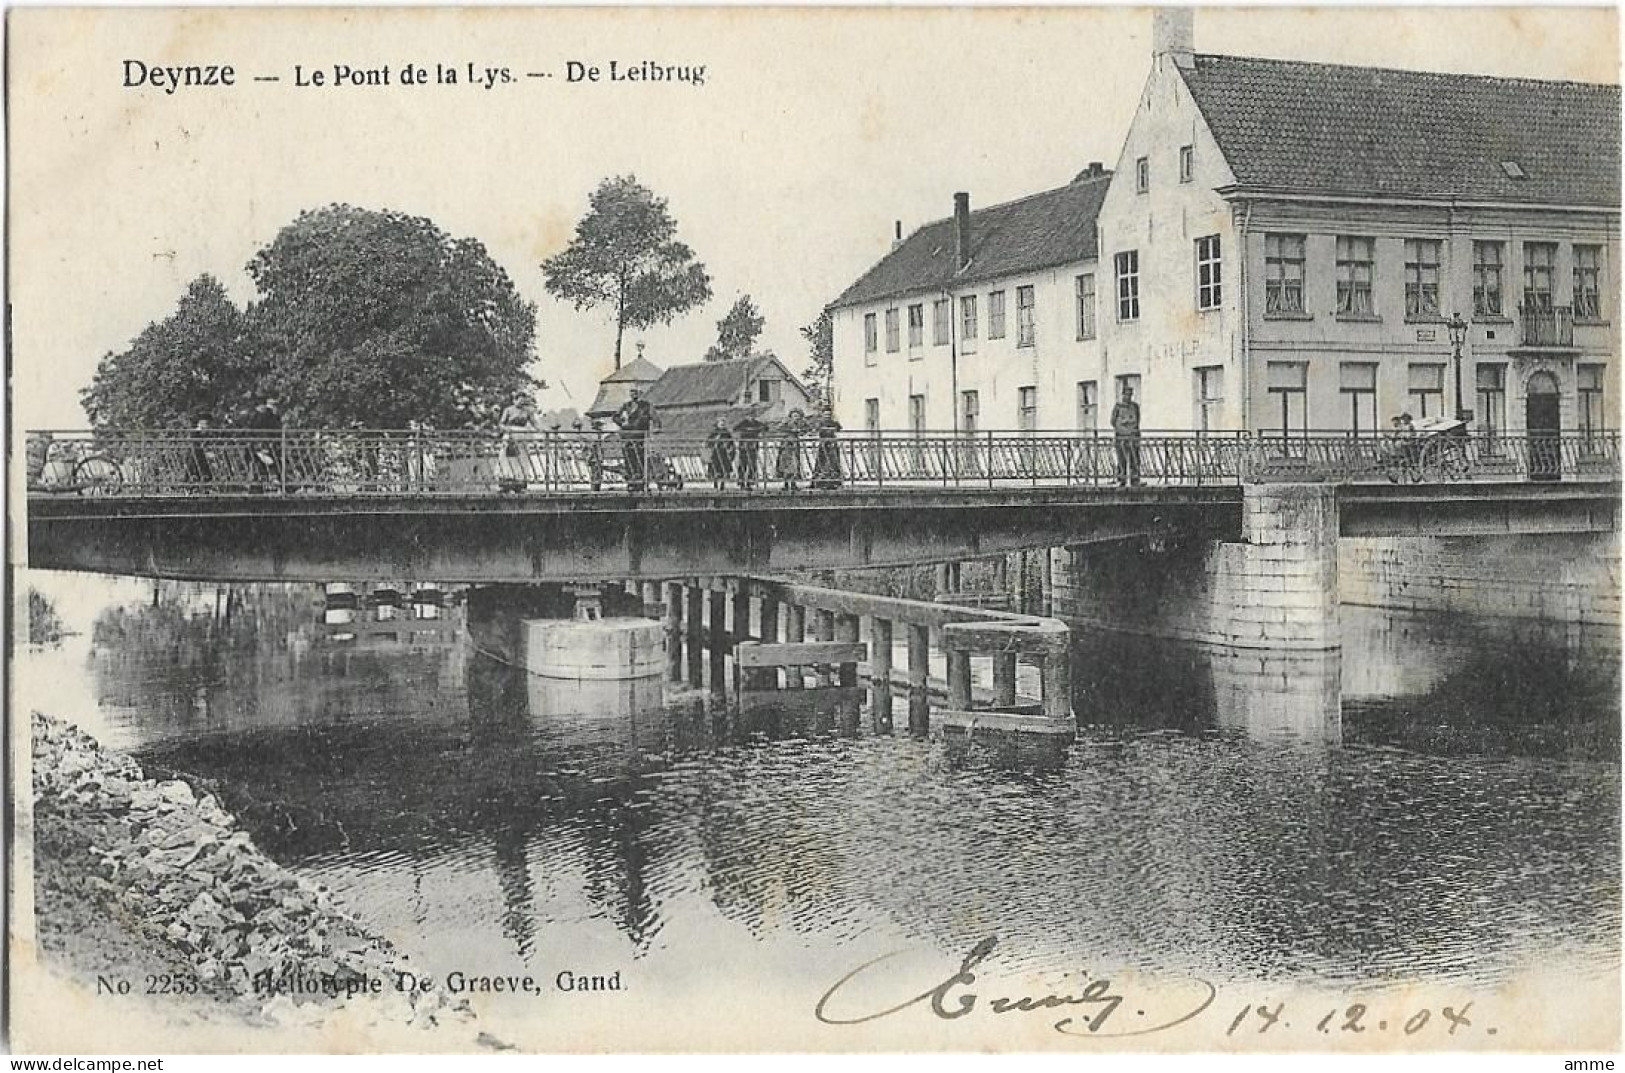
(976, 320)
(1282, 246)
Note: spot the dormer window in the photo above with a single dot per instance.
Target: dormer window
(1513, 169)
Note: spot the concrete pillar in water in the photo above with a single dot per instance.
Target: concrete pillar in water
(795, 631)
(651, 598)
(694, 625)
(1001, 574)
(673, 617)
(944, 581)
(717, 635)
(1288, 584)
(919, 669)
(880, 642)
(1004, 679)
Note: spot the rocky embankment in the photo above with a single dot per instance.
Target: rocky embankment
(154, 884)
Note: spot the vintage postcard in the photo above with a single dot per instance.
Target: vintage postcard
(1079, 530)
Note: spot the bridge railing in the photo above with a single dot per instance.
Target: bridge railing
(395, 462)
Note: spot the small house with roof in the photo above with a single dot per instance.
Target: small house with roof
(979, 320)
(688, 399)
(1285, 245)
(616, 388)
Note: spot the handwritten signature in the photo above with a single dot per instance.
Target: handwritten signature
(954, 997)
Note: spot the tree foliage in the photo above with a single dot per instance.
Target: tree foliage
(363, 317)
(737, 331)
(820, 370)
(382, 318)
(626, 256)
(193, 360)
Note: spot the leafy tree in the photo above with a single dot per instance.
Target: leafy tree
(626, 255)
(382, 318)
(194, 359)
(737, 331)
(820, 336)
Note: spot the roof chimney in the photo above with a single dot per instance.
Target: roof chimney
(1173, 34)
(961, 230)
(897, 235)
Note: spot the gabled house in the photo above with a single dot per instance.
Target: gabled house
(688, 399)
(1285, 245)
(978, 320)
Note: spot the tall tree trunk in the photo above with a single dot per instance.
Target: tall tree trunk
(620, 323)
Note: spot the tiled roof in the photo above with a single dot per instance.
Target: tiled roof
(640, 370)
(1039, 231)
(1368, 132)
(708, 382)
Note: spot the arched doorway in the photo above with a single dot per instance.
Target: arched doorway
(1543, 421)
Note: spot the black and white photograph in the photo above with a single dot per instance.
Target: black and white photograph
(851, 530)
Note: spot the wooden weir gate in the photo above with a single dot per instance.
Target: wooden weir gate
(773, 625)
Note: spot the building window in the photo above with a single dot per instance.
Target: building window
(1288, 383)
(1208, 293)
(995, 315)
(1492, 403)
(1027, 408)
(967, 319)
(1355, 268)
(1187, 158)
(970, 409)
(1128, 285)
(871, 334)
(767, 391)
(1489, 258)
(1357, 381)
(942, 312)
(1587, 282)
(916, 414)
(916, 326)
(1426, 390)
(1589, 378)
(1024, 316)
(1209, 397)
(1086, 306)
(1539, 275)
(1421, 278)
(871, 415)
(1142, 175)
(1088, 405)
(1283, 274)
(892, 338)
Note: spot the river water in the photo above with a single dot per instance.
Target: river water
(1439, 803)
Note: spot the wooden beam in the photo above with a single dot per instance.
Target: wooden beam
(753, 654)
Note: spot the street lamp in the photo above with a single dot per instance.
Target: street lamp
(1458, 335)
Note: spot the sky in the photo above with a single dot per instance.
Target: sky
(813, 132)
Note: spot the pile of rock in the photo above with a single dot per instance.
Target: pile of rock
(173, 864)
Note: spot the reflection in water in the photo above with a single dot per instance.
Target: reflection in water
(1437, 806)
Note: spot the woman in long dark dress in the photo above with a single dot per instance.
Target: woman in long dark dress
(788, 466)
(827, 463)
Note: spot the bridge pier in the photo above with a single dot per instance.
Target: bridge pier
(795, 631)
(1275, 588)
(880, 670)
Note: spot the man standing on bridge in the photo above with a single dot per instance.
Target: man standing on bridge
(1126, 437)
(635, 419)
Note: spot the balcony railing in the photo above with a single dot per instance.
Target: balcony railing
(306, 462)
(1546, 325)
